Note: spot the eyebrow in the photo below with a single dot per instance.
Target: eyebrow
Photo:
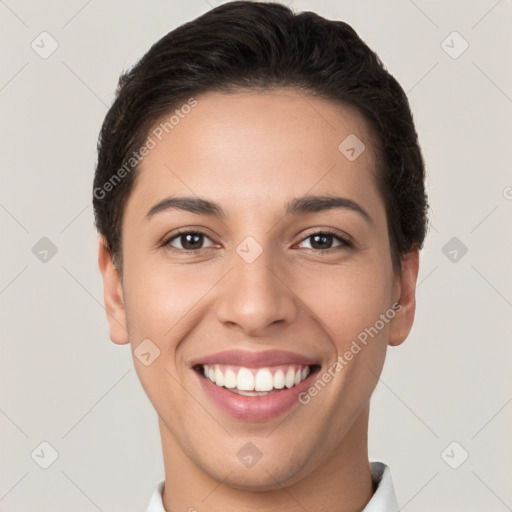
(298, 206)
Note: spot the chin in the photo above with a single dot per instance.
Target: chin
(262, 481)
(262, 477)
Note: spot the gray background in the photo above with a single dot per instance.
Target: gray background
(64, 382)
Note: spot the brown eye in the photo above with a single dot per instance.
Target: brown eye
(189, 241)
(323, 241)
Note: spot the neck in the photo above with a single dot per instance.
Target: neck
(341, 482)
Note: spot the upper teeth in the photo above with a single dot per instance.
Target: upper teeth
(252, 379)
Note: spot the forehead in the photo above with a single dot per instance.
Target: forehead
(251, 147)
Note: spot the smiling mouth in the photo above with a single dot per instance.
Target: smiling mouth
(256, 381)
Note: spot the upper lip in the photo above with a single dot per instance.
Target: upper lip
(250, 359)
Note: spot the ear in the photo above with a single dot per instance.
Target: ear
(405, 296)
(112, 295)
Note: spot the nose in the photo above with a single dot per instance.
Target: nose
(257, 296)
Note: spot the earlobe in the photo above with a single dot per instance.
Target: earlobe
(112, 295)
(401, 324)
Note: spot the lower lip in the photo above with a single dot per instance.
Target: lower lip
(254, 408)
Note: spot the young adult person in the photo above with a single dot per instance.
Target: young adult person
(259, 195)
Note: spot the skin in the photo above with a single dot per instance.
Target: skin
(252, 152)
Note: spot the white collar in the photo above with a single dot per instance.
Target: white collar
(383, 499)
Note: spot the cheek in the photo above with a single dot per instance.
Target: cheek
(159, 306)
(160, 299)
(346, 300)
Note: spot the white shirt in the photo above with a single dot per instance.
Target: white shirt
(383, 499)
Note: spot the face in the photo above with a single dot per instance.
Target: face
(264, 281)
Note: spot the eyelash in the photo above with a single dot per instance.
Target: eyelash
(345, 242)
